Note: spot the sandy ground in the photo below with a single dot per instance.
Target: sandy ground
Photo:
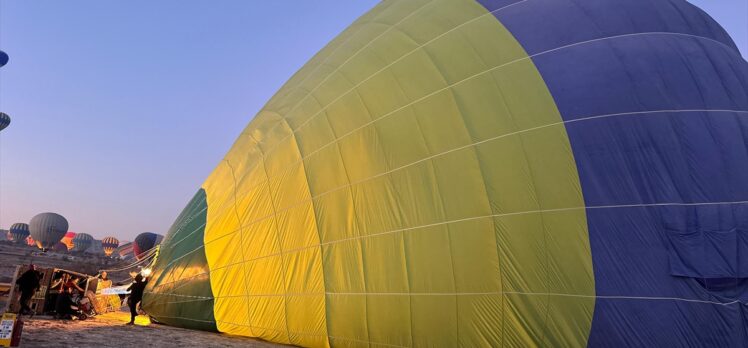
(110, 330)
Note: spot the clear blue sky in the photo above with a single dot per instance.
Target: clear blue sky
(122, 108)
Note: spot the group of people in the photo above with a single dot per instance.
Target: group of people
(69, 301)
(72, 299)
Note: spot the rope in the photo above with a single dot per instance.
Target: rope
(146, 257)
(127, 267)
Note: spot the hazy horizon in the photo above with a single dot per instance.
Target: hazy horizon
(120, 110)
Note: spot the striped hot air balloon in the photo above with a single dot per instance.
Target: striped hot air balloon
(47, 229)
(491, 173)
(109, 244)
(18, 232)
(81, 242)
(96, 247)
(144, 242)
(125, 250)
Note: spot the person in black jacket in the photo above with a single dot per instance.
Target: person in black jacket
(28, 283)
(136, 295)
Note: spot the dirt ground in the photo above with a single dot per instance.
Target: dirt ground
(109, 330)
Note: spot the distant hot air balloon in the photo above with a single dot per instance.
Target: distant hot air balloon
(18, 232)
(145, 242)
(3, 59)
(47, 229)
(30, 241)
(96, 248)
(109, 244)
(81, 242)
(4, 120)
(125, 250)
(60, 247)
(68, 240)
(6, 233)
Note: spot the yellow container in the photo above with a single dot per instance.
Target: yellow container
(6, 329)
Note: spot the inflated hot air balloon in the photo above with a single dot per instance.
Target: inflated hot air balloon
(3, 59)
(68, 240)
(30, 241)
(81, 242)
(125, 250)
(144, 242)
(109, 244)
(4, 120)
(47, 229)
(494, 173)
(18, 232)
(60, 247)
(96, 248)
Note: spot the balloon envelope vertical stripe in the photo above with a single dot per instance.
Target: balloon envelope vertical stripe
(181, 274)
(655, 104)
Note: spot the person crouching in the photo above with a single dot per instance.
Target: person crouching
(65, 306)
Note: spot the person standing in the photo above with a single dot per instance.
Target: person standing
(104, 279)
(136, 295)
(105, 303)
(28, 283)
